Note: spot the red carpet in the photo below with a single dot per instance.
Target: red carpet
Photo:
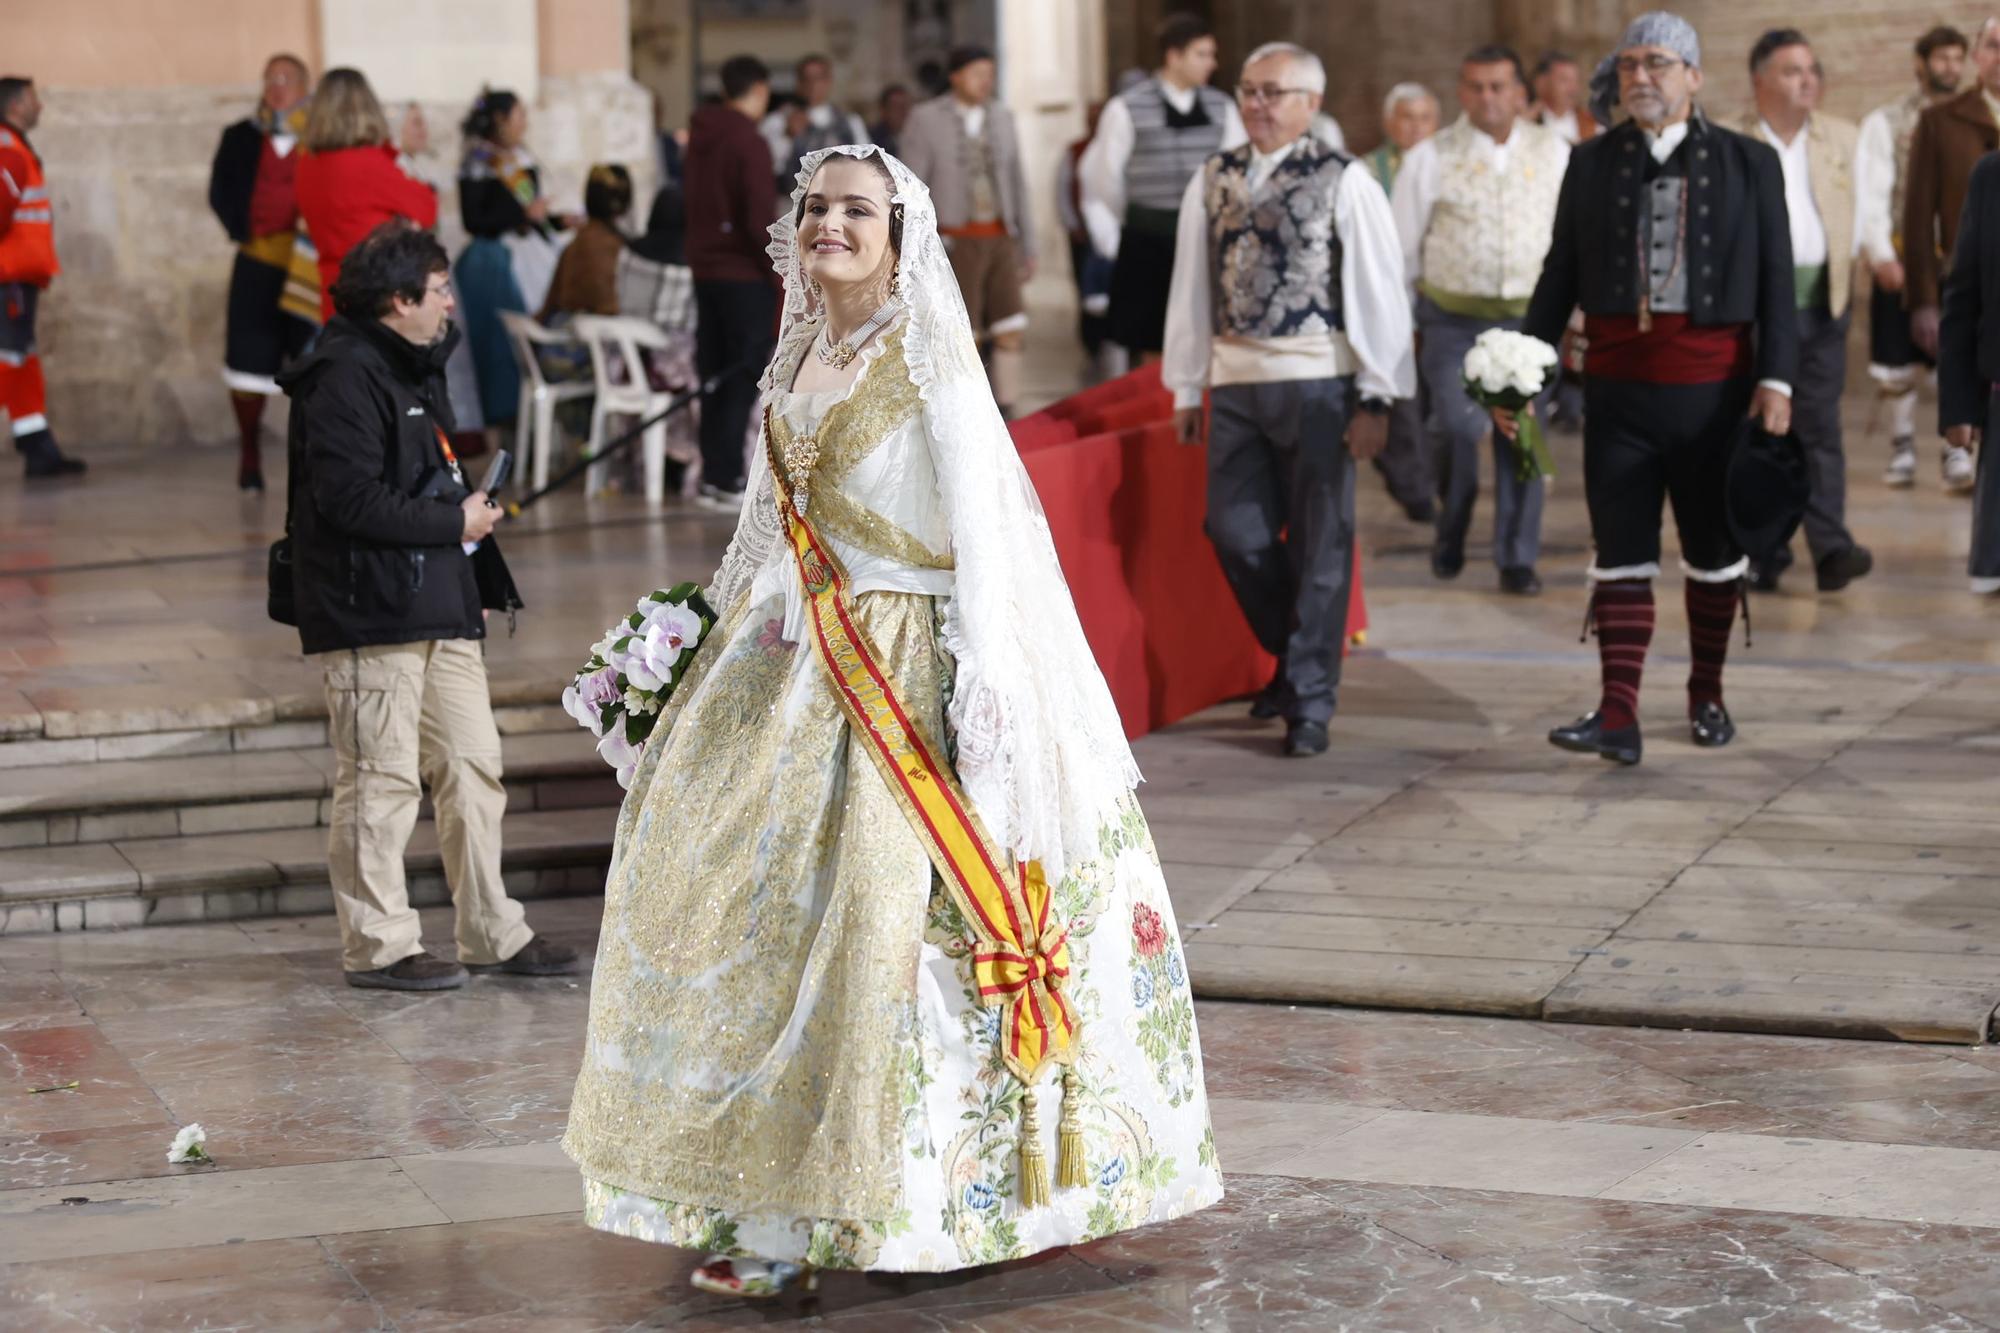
(1125, 501)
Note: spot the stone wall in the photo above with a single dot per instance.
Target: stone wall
(132, 331)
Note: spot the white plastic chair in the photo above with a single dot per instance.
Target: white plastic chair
(617, 346)
(538, 396)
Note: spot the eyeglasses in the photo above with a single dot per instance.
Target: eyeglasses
(442, 289)
(1654, 66)
(1265, 94)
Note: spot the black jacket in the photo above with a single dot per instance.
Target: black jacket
(1739, 239)
(373, 508)
(1969, 324)
(233, 177)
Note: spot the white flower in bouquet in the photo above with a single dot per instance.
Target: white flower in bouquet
(653, 657)
(585, 698)
(640, 701)
(1505, 369)
(189, 1146)
(621, 754)
(1501, 361)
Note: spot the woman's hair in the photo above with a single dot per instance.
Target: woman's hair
(395, 259)
(492, 106)
(607, 193)
(344, 113)
(895, 209)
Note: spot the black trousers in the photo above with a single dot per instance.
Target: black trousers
(734, 322)
(1816, 421)
(1646, 444)
(1281, 517)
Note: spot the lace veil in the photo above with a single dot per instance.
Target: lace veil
(1041, 750)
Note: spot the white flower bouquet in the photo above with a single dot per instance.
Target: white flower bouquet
(633, 670)
(1505, 369)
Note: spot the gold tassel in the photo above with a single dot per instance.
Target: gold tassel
(1034, 1162)
(1069, 1139)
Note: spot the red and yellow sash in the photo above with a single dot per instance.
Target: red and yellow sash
(1020, 953)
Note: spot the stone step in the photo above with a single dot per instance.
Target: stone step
(274, 872)
(206, 731)
(239, 792)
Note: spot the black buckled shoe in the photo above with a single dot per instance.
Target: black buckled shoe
(1305, 739)
(1710, 726)
(1447, 560)
(1588, 735)
(1843, 567)
(1272, 700)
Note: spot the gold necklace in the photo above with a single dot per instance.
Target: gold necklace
(840, 355)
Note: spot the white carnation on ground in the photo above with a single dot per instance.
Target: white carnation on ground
(189, 1146)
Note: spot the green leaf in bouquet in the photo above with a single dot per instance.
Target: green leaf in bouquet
(1531, 450)
(638, 726)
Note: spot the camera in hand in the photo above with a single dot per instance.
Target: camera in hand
(498, 473)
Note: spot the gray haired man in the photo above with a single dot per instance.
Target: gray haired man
(1288, 304)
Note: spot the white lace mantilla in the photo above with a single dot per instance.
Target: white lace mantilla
(1041, 749)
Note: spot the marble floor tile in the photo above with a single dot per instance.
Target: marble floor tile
(203, 1206)
(277, 1284)
(113, 1152)
(1272, 1255)
(1621, 1266)
(109, 1090)
(1257, 1136)
(1488, 1152)
(36, 999)
(482, 1184)
(1824, 1177)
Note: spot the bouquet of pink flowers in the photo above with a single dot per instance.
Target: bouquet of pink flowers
(633, 670)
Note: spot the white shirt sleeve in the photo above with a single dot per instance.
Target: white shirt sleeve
(772, 127)
(1327, 130)
(1233, 135)
(1376, 301)
(1874, 180)
(1102, 172)
(1184, 353)
(1415, 196)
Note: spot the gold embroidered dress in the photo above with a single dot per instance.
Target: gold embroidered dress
(787, 1057)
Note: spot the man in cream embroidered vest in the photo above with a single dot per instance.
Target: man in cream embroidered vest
(1474, 206)
(1288, 303)
(1817, 153)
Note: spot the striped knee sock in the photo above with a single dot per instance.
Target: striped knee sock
(1711, 609)
(1623, 611)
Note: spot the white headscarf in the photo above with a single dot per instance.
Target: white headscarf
(1041, 750)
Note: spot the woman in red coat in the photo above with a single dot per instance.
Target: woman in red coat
(350, 180)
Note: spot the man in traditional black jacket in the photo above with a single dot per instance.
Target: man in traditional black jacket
(1672, 236)
(1969, 357)
(394, 568)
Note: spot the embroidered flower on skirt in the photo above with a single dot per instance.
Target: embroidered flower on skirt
(1147, 931)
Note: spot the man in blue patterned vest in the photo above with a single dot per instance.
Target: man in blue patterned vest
(1288, 305)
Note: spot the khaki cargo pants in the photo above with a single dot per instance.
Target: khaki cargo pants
(398, 713)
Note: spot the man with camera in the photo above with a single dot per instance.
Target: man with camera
(393, 570)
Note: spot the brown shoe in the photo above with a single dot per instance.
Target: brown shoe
(537, 958)
(420, 971)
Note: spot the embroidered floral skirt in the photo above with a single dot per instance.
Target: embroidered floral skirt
(786, 1057)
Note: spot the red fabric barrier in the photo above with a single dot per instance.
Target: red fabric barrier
(1126, 509)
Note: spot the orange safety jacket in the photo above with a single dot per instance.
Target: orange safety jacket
(27, 221)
